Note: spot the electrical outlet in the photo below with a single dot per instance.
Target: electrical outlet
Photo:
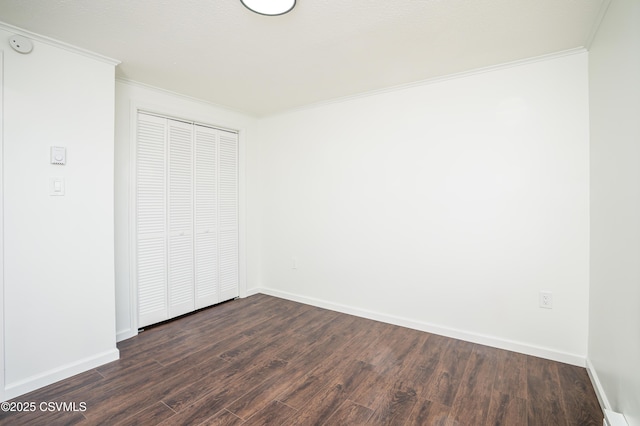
(546, 299)
(294, 263)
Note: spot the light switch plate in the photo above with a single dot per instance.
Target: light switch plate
(58, 155)
(56, 186)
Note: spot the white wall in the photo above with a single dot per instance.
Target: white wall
(59, 311)
(129, 98)
(614, 326)
(445, 207)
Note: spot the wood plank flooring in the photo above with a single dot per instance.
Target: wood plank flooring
(268, 361)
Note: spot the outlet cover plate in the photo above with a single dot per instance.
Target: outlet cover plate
(546, 300)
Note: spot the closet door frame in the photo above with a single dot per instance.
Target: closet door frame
(196, 118)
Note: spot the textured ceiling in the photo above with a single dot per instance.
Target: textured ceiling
(219, 51)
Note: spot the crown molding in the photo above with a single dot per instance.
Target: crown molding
(167, 92)
(434, 80)
(604, 6)
(56, 43)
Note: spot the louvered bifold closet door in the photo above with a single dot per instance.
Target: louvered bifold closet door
(206, 217)
(186, 238)
(180, 199)
(151, 272)
(228, 214)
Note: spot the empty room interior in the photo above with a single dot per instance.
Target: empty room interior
(364, 212)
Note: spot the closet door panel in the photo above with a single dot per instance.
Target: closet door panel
(180, 275)
(206, 217)
(228, 215)
(152, 282)
(151, 258)
(228, 265)
(207, 290)
(180, 199)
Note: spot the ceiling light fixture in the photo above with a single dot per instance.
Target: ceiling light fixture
(269, 7)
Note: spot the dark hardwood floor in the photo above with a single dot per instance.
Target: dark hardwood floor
(268, 361)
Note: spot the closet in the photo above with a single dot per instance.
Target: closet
(186, 225)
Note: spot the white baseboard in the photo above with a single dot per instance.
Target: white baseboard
(125, 334)
(22, 387)
(611, 417)
(597, 386)
(492, 341)
(252, 291)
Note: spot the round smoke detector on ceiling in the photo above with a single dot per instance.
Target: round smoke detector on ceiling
(20, 44)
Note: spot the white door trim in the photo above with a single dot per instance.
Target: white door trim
(136, 107)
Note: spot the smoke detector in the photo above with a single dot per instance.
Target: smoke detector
(20, 44)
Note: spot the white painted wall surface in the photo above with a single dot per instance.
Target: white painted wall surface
(614, 326)
(129, 98)
(446, 206)
(59, 310)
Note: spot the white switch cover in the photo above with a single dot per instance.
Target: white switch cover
(56, 186)
(58, 155)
